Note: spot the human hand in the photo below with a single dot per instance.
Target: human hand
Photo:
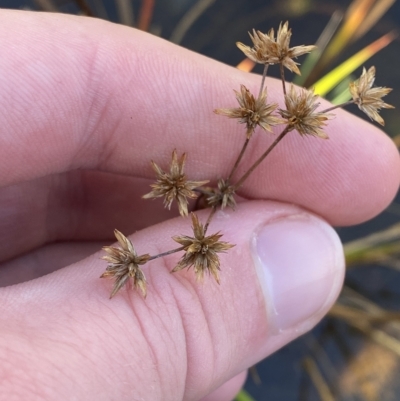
(85, 106)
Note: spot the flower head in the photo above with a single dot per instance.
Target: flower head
(252, 111)
(201, 251)
(300, 113)
(174, 185)
(223, 196)
(123, 264)
(368, 98)
(267, 50)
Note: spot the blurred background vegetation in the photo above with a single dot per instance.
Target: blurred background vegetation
(354, 353)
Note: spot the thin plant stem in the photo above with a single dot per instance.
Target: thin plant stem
(249, 129)
(211, 215)
(263, 80)
(100, 10)
(338, 106)
(262, 157)
(84, 7)
(202, 191)
(187, 21)
(145, 15)
(317, 379)
(197, 203)
(160, 255)
(47, 5)
(125, 12)
(283, 78)
(239, 158)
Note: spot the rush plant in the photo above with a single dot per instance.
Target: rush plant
(301, 115)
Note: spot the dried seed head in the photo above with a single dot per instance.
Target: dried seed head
(300, 113)
(267, 50)
(223, 196)
(368, 98)
(123, 264)
(174, 185)
(201, 251)
(252, 112)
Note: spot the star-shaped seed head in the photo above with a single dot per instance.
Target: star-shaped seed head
(368, 98)
(223, 196)
(252, 111)
(174, 185)
(300, 113)
(201, 251)
(123, 264)
(268, 50)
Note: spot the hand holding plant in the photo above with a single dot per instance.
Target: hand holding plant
(301, 114)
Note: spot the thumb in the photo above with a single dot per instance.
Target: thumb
(187, 338)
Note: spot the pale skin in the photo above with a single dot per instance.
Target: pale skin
(85, 105)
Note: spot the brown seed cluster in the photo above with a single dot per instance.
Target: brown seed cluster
(123, 264)
(174, 185)
(368, 98)
(301, 114)
(252, 111)
(268, 50)
(201, 251)
(222, 196)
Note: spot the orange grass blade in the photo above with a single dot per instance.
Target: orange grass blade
(246, 65)
(377, 12)
(146, 14)
(354, 17)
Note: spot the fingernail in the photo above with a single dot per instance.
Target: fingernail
(301, 269)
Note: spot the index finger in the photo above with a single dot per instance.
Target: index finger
(84, 93)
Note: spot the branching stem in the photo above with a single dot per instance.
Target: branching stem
(246, 142)
(261, 158)
(249, 130)
(211, 215)
(160, 255)
(337, 106)
(263, 80)
(283, 78)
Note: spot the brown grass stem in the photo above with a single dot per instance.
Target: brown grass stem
(160, 255)
(47, 5)
(282, 69)
(260, 159)
(145, 15)
(318, 380)
(239, 158)
(338, 106)
(263, 80)
(211, 215)
(84, 7)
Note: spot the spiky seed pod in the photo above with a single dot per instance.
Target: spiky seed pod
(300, 113)
(123, 264)
(367, 98)
(252, 111)
(201, 251)
(267, 50)
(223, 196)
(174, 185)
